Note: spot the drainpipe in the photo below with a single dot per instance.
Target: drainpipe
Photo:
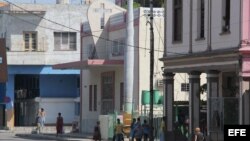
(208, 50)
(81, 58)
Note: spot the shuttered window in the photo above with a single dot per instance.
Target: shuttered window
(65, 40)
(30, 41)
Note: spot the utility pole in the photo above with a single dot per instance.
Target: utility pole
(129, 61)
(151, 114)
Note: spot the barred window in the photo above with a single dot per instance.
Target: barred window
(226, 4)
(177, 20)
(201, 19)
(90, 98)
(184, 87)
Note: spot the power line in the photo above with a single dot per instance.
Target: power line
(73, 28)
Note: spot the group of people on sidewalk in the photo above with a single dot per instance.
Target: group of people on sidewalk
(40, 122)
(140, 131)
(137, 131)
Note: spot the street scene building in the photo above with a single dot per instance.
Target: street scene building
(34, 43)
(102, 59)
(212, 38)
(73, 59)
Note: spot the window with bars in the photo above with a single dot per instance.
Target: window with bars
(30, 40)
(121, 95)
(201, 19)
(92, 97)
(95, 97)
(177, 21)
(65, 40)
(118, 47)
(226, 15)
(184, 87)
(26, 86)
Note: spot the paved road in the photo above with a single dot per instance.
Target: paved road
(4, 136)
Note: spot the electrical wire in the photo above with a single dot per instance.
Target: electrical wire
(73, 28)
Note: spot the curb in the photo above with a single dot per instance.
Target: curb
(40, 136)
(6, 131)
(63, 137)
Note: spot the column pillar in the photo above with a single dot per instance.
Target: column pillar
(194, 100)
(244, 101)
(212, 92)
(168, 104)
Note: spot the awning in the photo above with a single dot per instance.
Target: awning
(89, 63)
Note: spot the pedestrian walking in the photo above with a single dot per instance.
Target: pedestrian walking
(43, 114)
(132, 129)
(138, 130)
(59, 124)
(146, 130)
(97, 132)
(162, 129)
(119, 131)
(38, 122)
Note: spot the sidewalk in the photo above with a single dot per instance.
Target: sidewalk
(63, 137)
(49, 133)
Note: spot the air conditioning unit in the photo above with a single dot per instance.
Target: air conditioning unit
(160, 83)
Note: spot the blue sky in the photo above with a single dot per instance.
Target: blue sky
(42, 1)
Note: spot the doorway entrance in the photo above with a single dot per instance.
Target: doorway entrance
(107, 92)
(26, 90)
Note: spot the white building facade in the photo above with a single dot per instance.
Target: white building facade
(204, 37)
(37, 37)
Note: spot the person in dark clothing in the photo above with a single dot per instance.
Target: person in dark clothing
(198, 135)
(59, 124)
(97, 132)
(146, 130)
(132, 128)
(138, 130)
